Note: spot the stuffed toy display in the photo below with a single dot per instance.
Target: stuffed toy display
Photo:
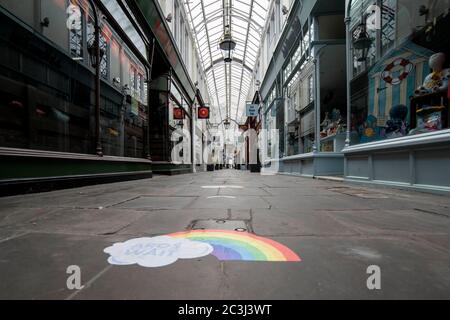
(437, 80)
(334, 125)
(429, 118)
(397, 126)
(369, 131)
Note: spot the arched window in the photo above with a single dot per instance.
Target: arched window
(75, 25)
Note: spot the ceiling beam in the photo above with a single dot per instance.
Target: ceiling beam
(245, 55)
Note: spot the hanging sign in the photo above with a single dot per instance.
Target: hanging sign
(252, 110)
(178, 114)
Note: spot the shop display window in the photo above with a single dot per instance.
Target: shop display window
(404, 92)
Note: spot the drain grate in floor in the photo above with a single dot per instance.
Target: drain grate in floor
(221, 224)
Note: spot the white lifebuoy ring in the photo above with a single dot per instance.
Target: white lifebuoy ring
(387, 74)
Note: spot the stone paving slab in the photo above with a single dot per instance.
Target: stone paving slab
(241, 202)
(292, 223)
(409, 221)
(317, 202)
(34, 266)
(74, 199)
(16, 215)
(157, 202)
(299, 191)
(85, 222)
(247, 191)
(185, 279)
(168, 221)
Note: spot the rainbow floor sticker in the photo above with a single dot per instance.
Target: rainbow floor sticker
(233, 245)
(224, 244)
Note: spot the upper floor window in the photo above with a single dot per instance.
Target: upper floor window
(132, 81)
(388, 14)
(305, 40)
(272, 28)
(76, 32)
(268, 44)
(186, 47)
(278, 16)
(176, 18)
(310, 88)
(181, 41)
(138, 85)
(271, 97)
(297, 55)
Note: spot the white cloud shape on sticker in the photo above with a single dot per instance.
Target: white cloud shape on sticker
(156, 251)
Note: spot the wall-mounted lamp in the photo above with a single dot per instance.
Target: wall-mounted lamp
(362, 43)
(116, 81)
(93, 57)
(46, 22)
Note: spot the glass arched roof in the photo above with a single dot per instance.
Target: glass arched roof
(228, 84)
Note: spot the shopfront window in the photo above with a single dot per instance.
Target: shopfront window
(292, 119)
(272, 117)
(47, 99)
(404, 91)
(270, 125)
(179, 129)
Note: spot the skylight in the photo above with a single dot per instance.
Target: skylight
(228, 84)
